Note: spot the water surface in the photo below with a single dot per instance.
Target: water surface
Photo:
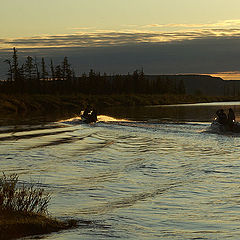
(139, 173)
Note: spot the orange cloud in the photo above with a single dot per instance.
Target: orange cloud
(232, 75)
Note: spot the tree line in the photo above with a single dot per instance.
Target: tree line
(40, 78)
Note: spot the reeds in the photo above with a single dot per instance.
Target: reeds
(16, 197)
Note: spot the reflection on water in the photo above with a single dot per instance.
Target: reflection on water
(200, 112)
(142, 178)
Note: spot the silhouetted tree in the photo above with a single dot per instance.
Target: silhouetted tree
(15, 68)
(66, 70)
(29, 68)
(10, 70)
(58, 72)
(44, 73)
(63, 80)
(36, 69)
(143, 84)
(52, 70)
(69, 74)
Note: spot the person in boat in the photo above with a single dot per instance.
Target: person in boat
(231, 118)
(93, 115)
(222, 117)
(218, 114)
(89, 114)
(86, 113)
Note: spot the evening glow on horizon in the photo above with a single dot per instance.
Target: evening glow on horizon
(102, 23)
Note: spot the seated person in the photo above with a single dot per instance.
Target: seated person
(231, 117)
(222, 117)
(87, 111)
(93, 116)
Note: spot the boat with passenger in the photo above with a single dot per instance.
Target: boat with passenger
(225, 123)
(89, 115)
(219, 127)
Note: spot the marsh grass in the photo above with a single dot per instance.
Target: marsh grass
(24, 210)
(18, 197)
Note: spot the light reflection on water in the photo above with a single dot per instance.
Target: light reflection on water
(200, 112)
(134, 179)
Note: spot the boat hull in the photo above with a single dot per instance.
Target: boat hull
(218, 127)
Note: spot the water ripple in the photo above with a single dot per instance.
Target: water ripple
(142, 180)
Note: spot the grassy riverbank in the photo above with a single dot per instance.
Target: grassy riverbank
(19, 104)
(23, 210)
(19, 224)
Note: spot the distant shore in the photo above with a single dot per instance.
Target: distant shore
(45, 104)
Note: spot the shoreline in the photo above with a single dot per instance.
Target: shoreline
(38, 109)
(17, 225)
(20, 104)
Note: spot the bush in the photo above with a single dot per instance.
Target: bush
(16, 197)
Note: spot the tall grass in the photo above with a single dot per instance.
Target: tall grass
(17, 197)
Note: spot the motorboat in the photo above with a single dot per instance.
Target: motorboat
(219, 127)
(88, 119)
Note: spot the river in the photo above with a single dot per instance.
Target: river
(139, 173)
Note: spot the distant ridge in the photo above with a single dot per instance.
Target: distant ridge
(202, 84)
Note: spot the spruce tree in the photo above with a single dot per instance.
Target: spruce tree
(44, 73)
(15, 68)
(10, 70)
(58, 72)
(52, 70)
(36, 69)
(29, 68)
(66, 70)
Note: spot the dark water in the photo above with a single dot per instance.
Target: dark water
(139, 173)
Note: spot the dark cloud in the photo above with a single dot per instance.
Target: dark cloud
(201, 55)
(79, 40)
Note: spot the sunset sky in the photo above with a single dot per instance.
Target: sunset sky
(174, 36)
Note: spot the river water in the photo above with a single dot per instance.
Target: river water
(139, 173)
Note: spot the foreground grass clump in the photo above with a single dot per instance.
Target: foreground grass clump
(27, 199)
(23, 210)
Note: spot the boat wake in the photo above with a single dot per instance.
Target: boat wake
(152, 125)
(101, 118)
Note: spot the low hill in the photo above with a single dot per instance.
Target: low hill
(198, 84)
